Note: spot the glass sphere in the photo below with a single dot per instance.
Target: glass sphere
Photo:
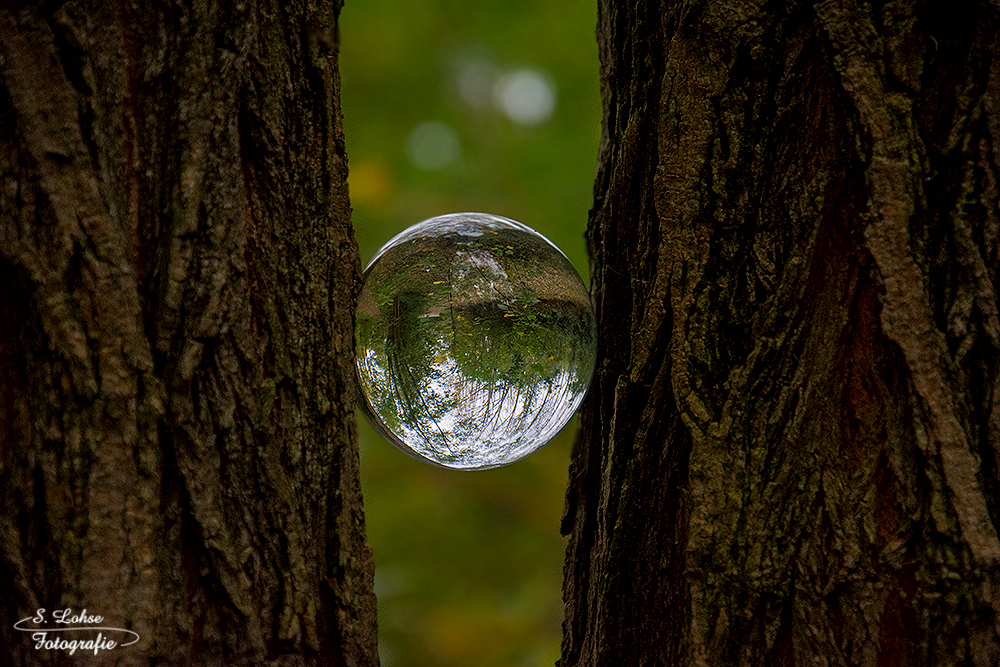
(476, 341)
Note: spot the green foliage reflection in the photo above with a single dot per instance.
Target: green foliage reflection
(475, 340)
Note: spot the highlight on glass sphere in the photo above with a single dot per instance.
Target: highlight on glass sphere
(476, 341)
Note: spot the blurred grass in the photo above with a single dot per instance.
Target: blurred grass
(468, 564)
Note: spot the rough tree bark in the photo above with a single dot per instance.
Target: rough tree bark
(177, 279)
(791, 456)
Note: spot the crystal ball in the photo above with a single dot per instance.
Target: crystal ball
(476, 341)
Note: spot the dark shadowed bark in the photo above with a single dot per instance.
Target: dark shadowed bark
(177, 278)
(790, 453)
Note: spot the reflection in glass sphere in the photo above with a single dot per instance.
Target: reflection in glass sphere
(475, 340)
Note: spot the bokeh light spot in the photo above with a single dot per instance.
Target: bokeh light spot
(433, 145)
(475, 78)
(526, 96)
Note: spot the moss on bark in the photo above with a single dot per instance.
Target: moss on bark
(789, 457)
(177, 441)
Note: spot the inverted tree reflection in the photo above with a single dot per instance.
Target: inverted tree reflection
(476, 342)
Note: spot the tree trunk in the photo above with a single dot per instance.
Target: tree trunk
(177, 280)
(791, 455)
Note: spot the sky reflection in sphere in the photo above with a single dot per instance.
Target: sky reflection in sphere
(475, 340)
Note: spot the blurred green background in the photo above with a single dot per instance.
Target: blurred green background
(493, 106)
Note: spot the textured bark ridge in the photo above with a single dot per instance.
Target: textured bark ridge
(177, 279)
(791, 456)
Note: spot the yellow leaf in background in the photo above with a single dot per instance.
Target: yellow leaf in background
(371, 184)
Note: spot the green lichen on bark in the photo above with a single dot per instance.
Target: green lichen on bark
(790, 458)
(178, 437)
